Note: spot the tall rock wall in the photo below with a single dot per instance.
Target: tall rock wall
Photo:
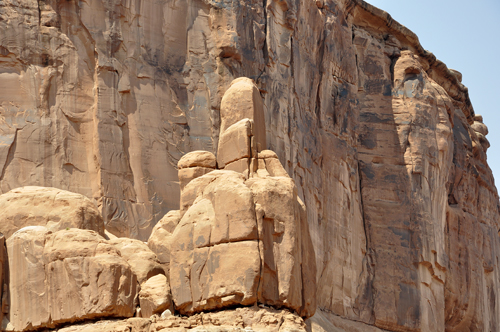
(104, 97)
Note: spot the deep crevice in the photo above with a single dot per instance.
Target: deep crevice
(10, 155)
(369, 259)
(265, 53)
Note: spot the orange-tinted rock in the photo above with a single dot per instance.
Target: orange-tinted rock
(240, 242)
(160, 240)
(214, 250)
(142, 260)
(54, 208)
(237, 320)
(380, 138)
(288, 273)
(66, 276)
(197, 159)
(155, 296)
(243, 101)
(235, 142)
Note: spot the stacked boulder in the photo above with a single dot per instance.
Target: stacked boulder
(242, 129)
(241, 236)
(66, 276)
(53, 208)
(63, 268)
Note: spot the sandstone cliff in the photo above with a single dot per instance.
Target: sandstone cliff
(241, 238)
(103, 98)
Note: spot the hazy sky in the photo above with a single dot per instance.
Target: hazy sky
(465, 35)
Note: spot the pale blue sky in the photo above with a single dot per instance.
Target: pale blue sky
(466, 36)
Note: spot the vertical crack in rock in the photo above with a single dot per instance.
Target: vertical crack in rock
(265, 52)
(6, 158)
(369, 261)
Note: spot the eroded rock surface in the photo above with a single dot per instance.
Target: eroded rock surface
(53, 208)
(58, 277)
(141, 259)
(382, 142)
(195, 164)
(215, 259)
(242, 237)
(242, 242)
(235, 320)
(160, 240)
(155, 296)
(66, 276)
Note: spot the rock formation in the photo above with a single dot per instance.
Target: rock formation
(66, 276)
(241, 236)
(155, 296)
(114, 100)
(234, 320)
(141, 259)
(242, 242)
(53, 208)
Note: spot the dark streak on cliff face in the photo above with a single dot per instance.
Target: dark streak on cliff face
(379, 136)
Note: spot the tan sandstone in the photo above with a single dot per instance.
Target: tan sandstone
(215, 258)
(243, 101)
(155, 296)
(234, 320)
(66, 276)
(54, 208)
(160, 240)
(381, 139)
(239, 241)
(141, 259)
(195, 164)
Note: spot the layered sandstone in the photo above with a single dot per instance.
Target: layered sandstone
(240, 239)
(103, 98)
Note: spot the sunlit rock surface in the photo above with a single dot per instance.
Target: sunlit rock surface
(103, 98)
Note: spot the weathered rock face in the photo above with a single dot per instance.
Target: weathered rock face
(416, 139)
(243, 127)
(104, 97)
(54, 276)
(53, 208)
(243, 236)
(155, 296)
(195, 164)
(241, 242)
(141, 259)
(235, 320)
(160, 240)
(66, 276)
(215, 259)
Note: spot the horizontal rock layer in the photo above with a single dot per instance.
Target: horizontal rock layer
(235, 320)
